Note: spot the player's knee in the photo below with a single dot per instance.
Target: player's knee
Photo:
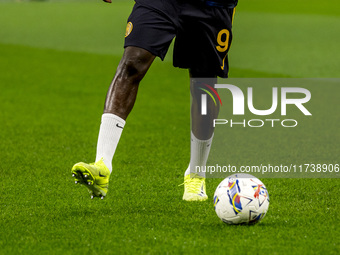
(130, 71)
(132, 68)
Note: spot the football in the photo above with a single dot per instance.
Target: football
(241, 199)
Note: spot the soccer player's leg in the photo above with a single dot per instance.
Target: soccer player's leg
(201, 139)
(119, 103)
(148, 34)
(210, 29)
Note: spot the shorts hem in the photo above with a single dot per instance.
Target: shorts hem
(149, 49)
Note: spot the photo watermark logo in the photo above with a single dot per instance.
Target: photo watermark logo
(238, 106)
(268, 127)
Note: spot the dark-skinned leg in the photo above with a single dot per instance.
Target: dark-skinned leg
(201, 125)
(201, 137)
(118, 104)
(120, 100)
(122, 92)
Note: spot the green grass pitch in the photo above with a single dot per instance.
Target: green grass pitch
(56, 61)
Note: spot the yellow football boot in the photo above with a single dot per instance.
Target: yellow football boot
(94, 176)
(194, 188)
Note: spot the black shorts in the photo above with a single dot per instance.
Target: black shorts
(203, 33)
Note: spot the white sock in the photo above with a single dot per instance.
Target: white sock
(199, 152)
(110, 131)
